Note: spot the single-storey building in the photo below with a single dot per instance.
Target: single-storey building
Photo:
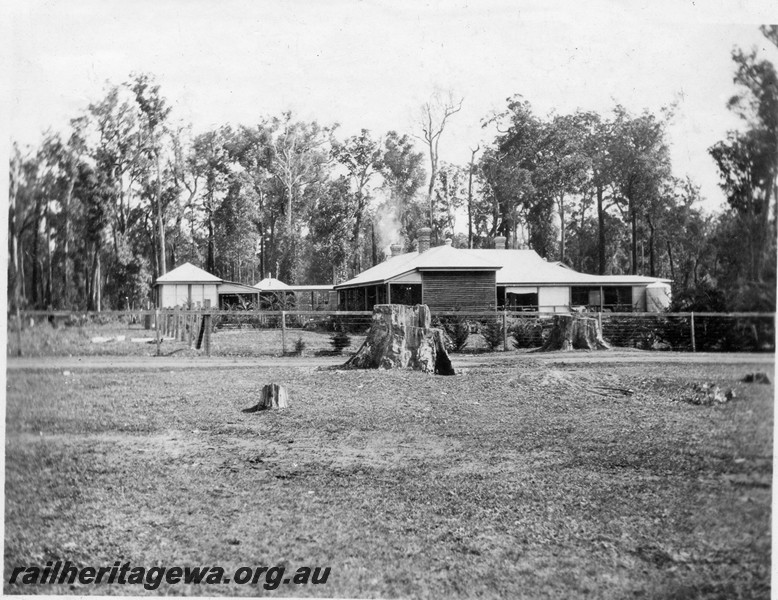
(448, 278)
(187, 285)
(275, 294)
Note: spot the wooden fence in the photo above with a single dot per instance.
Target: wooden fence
(681, 331)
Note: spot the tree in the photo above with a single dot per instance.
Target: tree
(450, 196)
(508, 169)
(595, 144)
(433, 117)
(640, 164)
(331, 229)
(210, 163)
(562, 165)
(300, 158)
(361, 156)
(251, 148)
(748, 163)
(153, 113)
(403, 176)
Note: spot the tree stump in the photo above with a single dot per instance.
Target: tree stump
(274, 396)
(575, 332)
(401, 337)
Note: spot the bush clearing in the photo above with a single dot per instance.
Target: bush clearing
(517, 480)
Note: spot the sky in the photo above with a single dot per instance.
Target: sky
(371, 64)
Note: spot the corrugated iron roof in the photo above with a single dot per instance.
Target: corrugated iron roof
(513, 267)
(271, 284)
(439, 258)
(527, 267)
(187, 273)
(230, 287)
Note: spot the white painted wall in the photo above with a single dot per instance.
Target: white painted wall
(555, 299)
(177, 294)
(639, 298)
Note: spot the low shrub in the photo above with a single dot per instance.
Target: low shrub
(493, 333)
(299, 346)
(340, 340)
(526, 333)
(457, 329)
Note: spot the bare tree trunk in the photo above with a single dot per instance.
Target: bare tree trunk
(13, 229)
(160, 221)
(374, 244)
(49, 269)
(36, 275)
(652, 270)
(211, 259)
(600, 232)
(634, 221)
(470, 199)
(562, 228)
(98, 281)
(66, 266)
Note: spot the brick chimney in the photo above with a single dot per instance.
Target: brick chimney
(499, 242)
(396, 249)
(424, 239)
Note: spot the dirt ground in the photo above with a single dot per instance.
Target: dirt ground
(526, 475)
(461, 360)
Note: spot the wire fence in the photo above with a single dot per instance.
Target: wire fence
(327, 333)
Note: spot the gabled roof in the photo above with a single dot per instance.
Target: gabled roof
(440, 258)
(270, 284)
(513, 267)
(187, 273)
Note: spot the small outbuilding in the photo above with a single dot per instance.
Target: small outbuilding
(274, 294)
(187, 285)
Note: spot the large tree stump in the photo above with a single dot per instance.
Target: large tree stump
(575, 332)
(401, 337)
(274, 396)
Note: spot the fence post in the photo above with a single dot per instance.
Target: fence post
(156, 327)
(283, 332)
(207, 326)
(190, 321)
(19, 331)
(599, 320)
(505, 330)
(694, 342)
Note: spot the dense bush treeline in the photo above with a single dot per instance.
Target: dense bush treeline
(127, 193)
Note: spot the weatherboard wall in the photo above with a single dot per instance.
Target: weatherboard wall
(177, 294)
(459, 290)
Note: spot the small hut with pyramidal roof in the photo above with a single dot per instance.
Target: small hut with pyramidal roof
(187, 285)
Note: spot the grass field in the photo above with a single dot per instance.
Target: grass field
(43, 340)
(532, 479)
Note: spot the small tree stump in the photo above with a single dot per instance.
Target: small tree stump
(575, 332)
(401, 337)
(274, 396)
